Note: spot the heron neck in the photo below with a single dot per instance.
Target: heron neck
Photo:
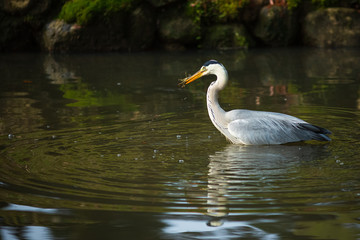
(216, 113)
(213, 101)
(222, 79)
(214, 89)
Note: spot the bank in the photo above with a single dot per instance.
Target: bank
(175, 25)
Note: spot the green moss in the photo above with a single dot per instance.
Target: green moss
(83, 11)
(291, 4)
(229, 9)
(210, 11)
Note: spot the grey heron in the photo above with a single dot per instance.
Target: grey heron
(249, 127)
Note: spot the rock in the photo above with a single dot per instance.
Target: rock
(176, 29)
(59, 36)
(276, 26)
(332, 27)
(15, 6)
(227, 37)
(122, 31)
(16, 35)
(141, 34)
(21, 23)
(23, 7)
(250, 11)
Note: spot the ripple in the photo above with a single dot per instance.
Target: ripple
(145, 166)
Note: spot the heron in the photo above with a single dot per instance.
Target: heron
(249, 127)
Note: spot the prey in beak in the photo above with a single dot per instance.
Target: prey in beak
(192, 78)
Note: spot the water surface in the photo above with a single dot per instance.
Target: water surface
(107, 146)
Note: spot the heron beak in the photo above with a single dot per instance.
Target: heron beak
(188, 80)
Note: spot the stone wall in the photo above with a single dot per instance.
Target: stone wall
(33, 25)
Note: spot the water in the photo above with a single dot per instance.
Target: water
(107, 146)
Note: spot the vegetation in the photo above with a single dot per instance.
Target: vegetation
(202, 11)
(291, 4)
(218, 11)
(228, 10)
(83, 11)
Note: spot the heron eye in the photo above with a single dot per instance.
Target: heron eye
(203, 69)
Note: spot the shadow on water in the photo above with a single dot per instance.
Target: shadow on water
(108, 146)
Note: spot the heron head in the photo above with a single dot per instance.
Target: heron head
(208, 68)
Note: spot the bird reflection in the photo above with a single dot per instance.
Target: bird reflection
(240, 171)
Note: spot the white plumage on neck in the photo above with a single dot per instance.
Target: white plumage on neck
(216, 113)
(221, 76)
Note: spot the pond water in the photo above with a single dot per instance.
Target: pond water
(108, 146)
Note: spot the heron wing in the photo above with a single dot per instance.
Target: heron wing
(274, 130)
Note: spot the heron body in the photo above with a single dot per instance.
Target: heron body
(249, 127)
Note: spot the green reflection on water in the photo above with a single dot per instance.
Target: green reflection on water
(86, 97)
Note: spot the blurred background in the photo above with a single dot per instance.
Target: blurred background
(98, 141)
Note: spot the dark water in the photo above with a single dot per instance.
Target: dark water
(108, 147)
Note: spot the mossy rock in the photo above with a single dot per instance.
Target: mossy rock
(175, 27)
(227, 37)
(86, 12)
(60, 36)
(121, 31)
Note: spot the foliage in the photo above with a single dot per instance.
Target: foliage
(210, 11)
(291, 4)
(83, 11)
(205, 11)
